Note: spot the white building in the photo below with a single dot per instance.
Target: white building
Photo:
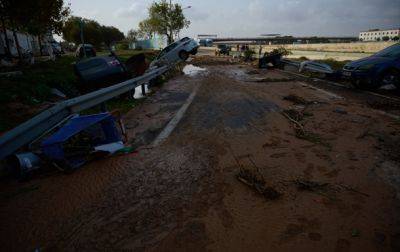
(378, 35)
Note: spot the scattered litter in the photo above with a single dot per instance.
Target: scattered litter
(58, 93)
(252, 72)
(257, 183)
(138, 91)
(340, 111)
(294, 114)
(295, 117)
(110, 148)
(23, 164)
(10, 74)
(192, 70)
(310, 185)
(297, 99)
(270, 80)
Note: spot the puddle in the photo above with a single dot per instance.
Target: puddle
(193, 70)
(138, 91)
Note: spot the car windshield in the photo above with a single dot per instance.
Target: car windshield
(390, 52)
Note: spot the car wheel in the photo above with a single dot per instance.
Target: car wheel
(183, 55)
(391, 77)
(194, 52)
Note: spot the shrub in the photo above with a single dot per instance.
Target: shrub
(248, 54)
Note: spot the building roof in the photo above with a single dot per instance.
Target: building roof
(375, 30)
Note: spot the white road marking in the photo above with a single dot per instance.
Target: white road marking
(176, 119)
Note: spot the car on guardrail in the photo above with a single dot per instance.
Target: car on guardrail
(380, 69)
(177, 51)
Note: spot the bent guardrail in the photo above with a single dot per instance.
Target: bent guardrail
(40, 124)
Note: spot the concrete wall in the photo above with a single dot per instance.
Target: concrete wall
(26, 42)
(359, 47)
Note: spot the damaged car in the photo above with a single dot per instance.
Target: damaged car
(179, 50)
(380, 69)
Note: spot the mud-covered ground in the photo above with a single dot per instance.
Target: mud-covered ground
(330, 159)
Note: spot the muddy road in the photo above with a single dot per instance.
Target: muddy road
(329, 160)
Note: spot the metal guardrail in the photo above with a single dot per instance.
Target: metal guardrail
(40, 124)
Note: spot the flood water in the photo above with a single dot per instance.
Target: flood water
(192, 70)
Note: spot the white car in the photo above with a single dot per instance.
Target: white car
(177, 51)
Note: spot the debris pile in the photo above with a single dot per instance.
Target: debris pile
(297, 100)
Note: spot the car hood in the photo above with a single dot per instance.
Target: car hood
(369, 60)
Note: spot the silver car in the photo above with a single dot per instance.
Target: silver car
(177, 51)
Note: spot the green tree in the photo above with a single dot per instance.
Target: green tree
(386, 38)
(132, 35)
(167, 19)
(91, 31)
(146, 29)
(396, 38)
(111, 35)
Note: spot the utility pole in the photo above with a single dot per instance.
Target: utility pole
(170, 22)
(82, 39)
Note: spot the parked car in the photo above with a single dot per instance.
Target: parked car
(179, 50)
(222, 50)
(382, 68)
(88, 48)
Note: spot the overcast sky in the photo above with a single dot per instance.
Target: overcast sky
(255, 17)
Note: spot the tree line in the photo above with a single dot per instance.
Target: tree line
(93, 33)
(45, 17)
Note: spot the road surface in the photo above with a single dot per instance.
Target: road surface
(333, 166)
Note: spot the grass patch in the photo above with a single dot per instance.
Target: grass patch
(36, 81)
(124, 55)
(33, 86)
(123, 105)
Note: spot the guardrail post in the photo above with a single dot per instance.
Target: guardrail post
(103, 107)
(143, 90)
